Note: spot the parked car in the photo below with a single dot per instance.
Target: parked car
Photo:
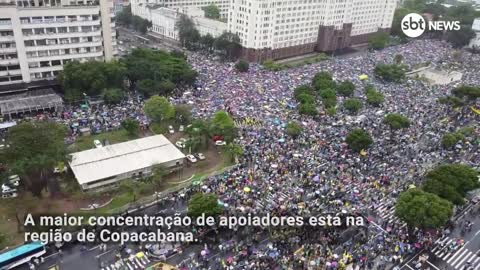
(201, 156)
(220, 143)
(191, 158)
(181, 128)
(181, 143)
(97, 144)
(171, 130)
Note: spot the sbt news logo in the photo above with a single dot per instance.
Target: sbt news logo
(413, 25)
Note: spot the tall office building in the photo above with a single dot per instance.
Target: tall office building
(276, 29)
(37, 37)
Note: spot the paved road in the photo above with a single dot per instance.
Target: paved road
(441, 257)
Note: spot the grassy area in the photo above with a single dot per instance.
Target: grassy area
(117, 202)
(158, 128)
(306, 61)
(86, 142)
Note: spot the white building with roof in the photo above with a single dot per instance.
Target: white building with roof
(107, 165)
(164, 20)
(475, 42)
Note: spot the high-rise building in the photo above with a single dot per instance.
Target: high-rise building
(37, 37)
(283, 28)
(475, 42)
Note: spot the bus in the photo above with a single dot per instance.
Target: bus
(20, 255)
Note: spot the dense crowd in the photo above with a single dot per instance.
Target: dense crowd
(316, 172)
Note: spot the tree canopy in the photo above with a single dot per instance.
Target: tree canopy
(212, 12)
(157, 65)
(113, 95)
(450, 139)
(423, 210)
(396, 121)
(159, 109)
(201, 203)
(391, 73)
(293, 129)
(346, 88)
(35, 149)
(353, 105)
(359, 140)
(222, 124)
(451, 182)
(131, 126)
(90, 78)
(462, 37)
(378, 41)
(229, 44)
(242, 66)
(188, 35)
(374, 97)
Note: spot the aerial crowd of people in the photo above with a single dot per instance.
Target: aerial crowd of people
(317, 172)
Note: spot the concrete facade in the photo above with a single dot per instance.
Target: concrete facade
(286, 28)
(475, 42)
(37, 38)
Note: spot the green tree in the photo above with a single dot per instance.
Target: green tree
(140, 24)
(398, 59)
(166, 87)
(242, 66)
(233, 151)
(374, 97)
(207, 42)
(229, 44)
(294, 129)
(329, 98)
(212, 12)
(131, 188)
(199, 129)
(157, 65)
(323, 80)
(183, 113)
(300, 90)
(378, 41)
(353, 105)
(358, 140)
(451, 182)
(346, 88)
(35, 148)
(471, 93)
(159, 109)
(207, 204)
(90, 78)
(452, 101)
(396, 121)
(147, 87)
(188, 35)
(124, 17)
(113, 95)
(450, 139)
(308, 109)
(390, 73)
(462, 37)
(131, 126)
(423, 210)
(222, 124)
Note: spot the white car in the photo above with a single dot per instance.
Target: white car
(220, 143)
(201, 156)
(97, 144)
(181, 128)
(191, 158)
(171, 130)
(180, 144)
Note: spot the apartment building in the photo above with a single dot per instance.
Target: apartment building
(285, 28)
(38, 37)
(143, 8)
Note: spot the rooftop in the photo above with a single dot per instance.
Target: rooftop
(112, 160)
